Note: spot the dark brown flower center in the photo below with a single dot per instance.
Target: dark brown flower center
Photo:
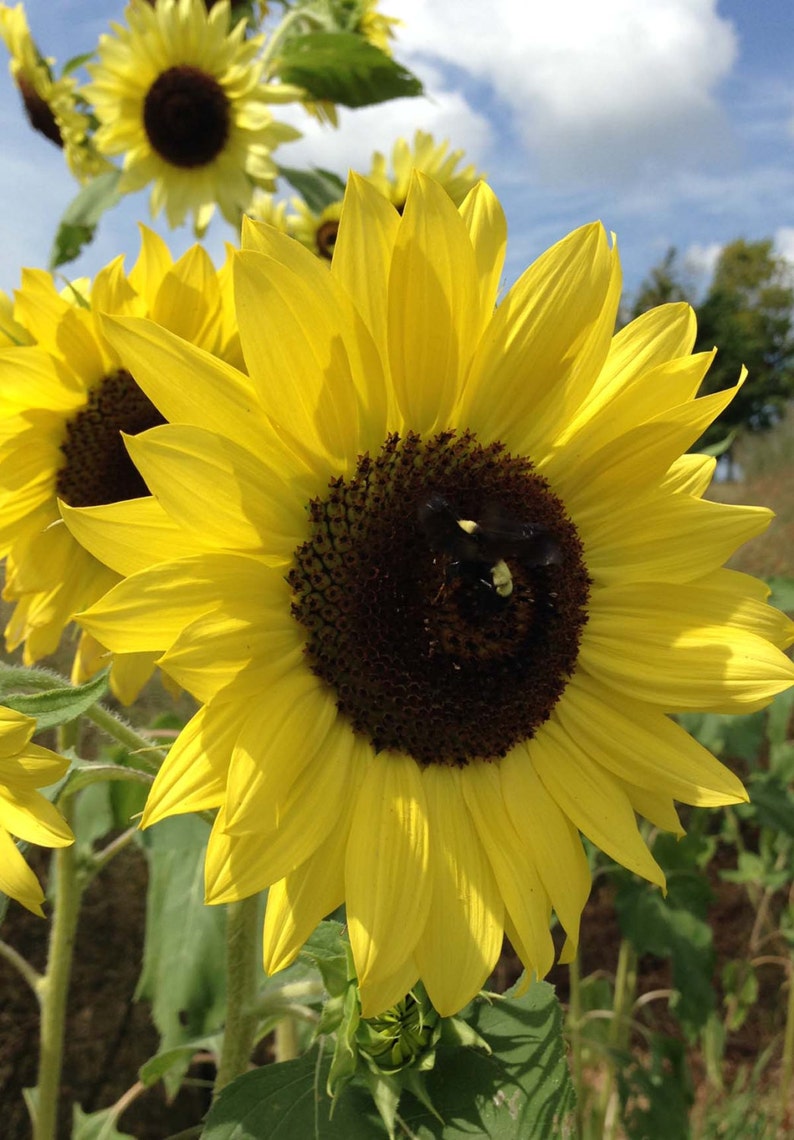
(39, 112)
(97, 468)
(326, 238)
(186, 116)
(443, 594)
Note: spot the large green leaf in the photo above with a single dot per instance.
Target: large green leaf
(521, 1091)
(184, 951)
(344, 68)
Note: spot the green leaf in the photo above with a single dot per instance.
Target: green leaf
(156, 1068)
(81, 217)
(782, 594)
(184, 951)
(521, 1091)
(673, 927)
(318, 188)
(97, 1125)
(344, 68)
(288, 1101)
(57, 705)
(774, 804)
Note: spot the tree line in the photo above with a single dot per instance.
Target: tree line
(747, 312)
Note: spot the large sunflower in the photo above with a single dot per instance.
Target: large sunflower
(63, 401)
(462, 574)
(179, 94)
(24, 812)
(50, 103)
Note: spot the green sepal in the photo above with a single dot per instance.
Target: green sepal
(341, 67)
(386, 1092)
(81, 217)
(345, 1060)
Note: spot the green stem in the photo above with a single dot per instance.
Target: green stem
(788, 1045)
(242, 976)
(150, 756)
(14, 958)
(53, 988)
(619, 1032)
(273, 42)
(575, 1033)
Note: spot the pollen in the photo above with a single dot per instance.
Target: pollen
(424, 652)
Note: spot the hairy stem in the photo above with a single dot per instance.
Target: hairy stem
(242, 975)
(53, 987)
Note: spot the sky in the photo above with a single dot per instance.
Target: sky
(671, 121)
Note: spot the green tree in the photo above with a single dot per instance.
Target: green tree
(748, 314)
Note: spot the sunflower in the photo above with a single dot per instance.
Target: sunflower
(50, 104)
(63, 401)
(179, 94)
(317, 231)
(462, 573)
(24, 812)
(427, 156)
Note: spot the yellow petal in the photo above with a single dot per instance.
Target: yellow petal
(642, 746)
(463, 936)
(316, 370)
(592, 800)
(296, 903)
(363, 252)
(526, 902)
(550, 835)
(193, 774)
(386, 869)
(131, 535)
(686, 647)
(16, 878)
(253, 506)
(434, 307)
(30, 816)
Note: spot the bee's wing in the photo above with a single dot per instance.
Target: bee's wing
(502, 537)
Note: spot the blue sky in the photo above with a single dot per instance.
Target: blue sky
(672, 121)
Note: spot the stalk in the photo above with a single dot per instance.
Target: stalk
(242, 969)
(53, 987)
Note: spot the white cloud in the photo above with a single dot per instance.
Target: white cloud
(443, 113)
(588, 86)
(784, 243)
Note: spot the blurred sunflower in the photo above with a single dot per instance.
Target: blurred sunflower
(427, 156)
(462, 571)
(179, 94)
(50, 104)
(24, 812)
(64, 399)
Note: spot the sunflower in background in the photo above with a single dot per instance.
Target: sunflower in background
(179, 93)
(458, 573)
(24, 812)
(429, 157)
(65, 397)
(51, 104)
(317, 229)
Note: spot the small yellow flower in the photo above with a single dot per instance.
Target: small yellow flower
(179, 93)
(50, 104)
(64, 400)
(24, 812)
(458, 571)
